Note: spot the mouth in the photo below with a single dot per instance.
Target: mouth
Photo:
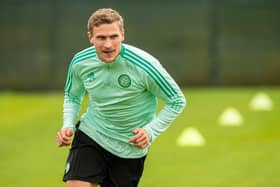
(108, 55)
(108, 52)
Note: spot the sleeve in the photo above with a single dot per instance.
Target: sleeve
(74, 94)
(163, 86)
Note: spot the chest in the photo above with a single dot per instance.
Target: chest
(112, 80)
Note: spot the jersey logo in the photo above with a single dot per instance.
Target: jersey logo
(124, 81)
(90, 77)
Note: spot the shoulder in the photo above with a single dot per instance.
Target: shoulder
(84, 54)
(136, 54)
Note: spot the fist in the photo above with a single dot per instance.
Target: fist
(64, 137)
(141, 138)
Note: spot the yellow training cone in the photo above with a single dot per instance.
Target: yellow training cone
(261, 102)
(231, 117)
(190, 137)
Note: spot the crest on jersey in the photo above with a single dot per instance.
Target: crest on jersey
(90, 77)
(124, 81)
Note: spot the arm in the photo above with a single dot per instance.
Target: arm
(166, 89)
(74, 93)
(161, 84)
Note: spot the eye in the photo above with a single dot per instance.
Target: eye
(115, 36)
(101, 37)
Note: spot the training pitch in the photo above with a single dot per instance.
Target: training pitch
(243, 155)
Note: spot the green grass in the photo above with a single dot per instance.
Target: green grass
(244, 156)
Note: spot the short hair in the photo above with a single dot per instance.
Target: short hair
(104, 16)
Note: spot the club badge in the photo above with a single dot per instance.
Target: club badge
(124, 81)
(67, 167)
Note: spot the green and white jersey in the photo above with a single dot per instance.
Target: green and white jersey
(122, 97)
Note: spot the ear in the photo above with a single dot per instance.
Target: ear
(122, 34)
(90, 37)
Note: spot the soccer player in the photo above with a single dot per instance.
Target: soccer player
(123, 83)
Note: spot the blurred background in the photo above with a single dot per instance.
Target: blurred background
(224, 54)
(200, 42)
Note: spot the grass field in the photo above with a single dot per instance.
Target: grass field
(243, 156)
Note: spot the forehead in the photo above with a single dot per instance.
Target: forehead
(107, 29)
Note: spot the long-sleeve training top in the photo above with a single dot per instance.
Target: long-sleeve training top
(122, 97)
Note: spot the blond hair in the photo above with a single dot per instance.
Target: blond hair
(104, 16)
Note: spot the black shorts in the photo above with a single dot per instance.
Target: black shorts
(88, 161)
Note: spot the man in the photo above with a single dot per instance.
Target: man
(123, 83)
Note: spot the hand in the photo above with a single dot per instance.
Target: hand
(63, 137)
(141, 138)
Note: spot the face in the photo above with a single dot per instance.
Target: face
(107, 39)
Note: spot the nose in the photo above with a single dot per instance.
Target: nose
(108, 43)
